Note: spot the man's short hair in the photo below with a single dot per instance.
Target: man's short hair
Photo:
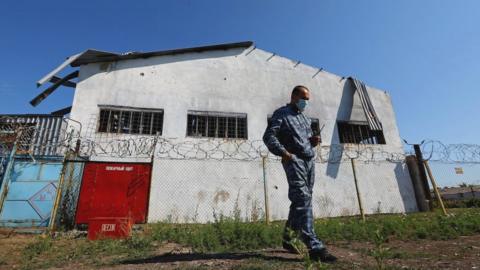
(296, 90)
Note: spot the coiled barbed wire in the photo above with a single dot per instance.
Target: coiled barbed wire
(451, 153)
(137, 146)
(217, 149)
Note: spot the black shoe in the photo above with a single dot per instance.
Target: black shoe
(289, 247)
(322, 255)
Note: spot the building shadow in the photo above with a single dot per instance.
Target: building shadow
(405, 187)
(191, 257)
(343, 114)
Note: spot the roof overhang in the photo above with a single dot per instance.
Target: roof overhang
(96, 56)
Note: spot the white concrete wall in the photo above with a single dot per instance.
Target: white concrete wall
(238, 81)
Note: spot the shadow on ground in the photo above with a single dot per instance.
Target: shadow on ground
(191, 257)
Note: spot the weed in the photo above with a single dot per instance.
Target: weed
(232, 235)
(41, 245)
(380, 252)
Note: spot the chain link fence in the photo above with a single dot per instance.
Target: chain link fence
(197, 180)
(200, 180)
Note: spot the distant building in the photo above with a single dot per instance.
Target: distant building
(460, 193)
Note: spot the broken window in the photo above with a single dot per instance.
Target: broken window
(125, 120)
(217, 125)
(359, 133)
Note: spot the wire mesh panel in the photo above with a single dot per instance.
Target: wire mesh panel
(70, 192)
(455, 174)
(385, 187)
(334, 191)
(204, 190)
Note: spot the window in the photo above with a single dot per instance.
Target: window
(126, 120)
(217, 125)
(315, 125)
(359, 133)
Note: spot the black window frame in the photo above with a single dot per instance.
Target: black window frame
(111, 120)
(199, 125)
(357, 132)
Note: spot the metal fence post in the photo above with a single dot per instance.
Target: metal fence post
(359, 197)
(423, 175)
(53, 215)
(435, 188)
(265, 190)
(6, 175)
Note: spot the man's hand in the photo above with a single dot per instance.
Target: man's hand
(315, 140)
(286, 157)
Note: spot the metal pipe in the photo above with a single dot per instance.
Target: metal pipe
(359, 197)
(6, 175)
(423, 175)
(435, 188)
(53, 215)
(265, 190)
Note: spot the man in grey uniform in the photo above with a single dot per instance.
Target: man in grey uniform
(289, 135)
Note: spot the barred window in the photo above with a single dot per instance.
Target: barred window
(127, 120)
(359, 133)
(217, 125)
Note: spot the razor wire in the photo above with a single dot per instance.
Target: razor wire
(138, 146)
(217, 149)
(434, 150)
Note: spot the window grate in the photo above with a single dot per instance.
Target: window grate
(359, 133)
(130, 121)
(217, 125)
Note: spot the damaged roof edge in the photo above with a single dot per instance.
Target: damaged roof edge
(95, 56)
(136, 55)
(88, 54)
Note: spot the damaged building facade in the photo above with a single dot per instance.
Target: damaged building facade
(206, 109)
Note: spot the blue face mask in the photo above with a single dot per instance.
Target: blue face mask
(301, 104)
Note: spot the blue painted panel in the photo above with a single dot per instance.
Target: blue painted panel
(50, 172)
(23, 171)
(18, 210)
(32, 189)
(24, 190)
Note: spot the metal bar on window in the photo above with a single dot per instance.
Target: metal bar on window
(151, 123)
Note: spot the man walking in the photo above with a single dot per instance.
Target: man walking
(289, 135)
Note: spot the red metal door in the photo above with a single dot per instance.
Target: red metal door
(114, 190)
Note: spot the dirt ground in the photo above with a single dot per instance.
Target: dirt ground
(461, 253)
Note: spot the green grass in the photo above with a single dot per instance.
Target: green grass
(231, 235)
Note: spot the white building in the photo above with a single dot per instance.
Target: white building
(227, 91)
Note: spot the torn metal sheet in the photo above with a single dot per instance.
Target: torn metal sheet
(55, 79)
(84, 57)
(372, 117)
(52, 88)
(95, 56)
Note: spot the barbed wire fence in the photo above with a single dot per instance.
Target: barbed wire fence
(208, 167)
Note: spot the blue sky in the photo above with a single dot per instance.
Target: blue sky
(425, 53)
